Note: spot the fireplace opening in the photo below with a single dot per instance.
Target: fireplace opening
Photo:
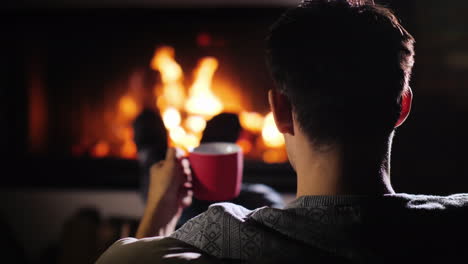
(78, 76)
(87, 75)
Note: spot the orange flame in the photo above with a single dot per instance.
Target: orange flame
(245, 145)
(101, 149)
(195, 124)
(171, 118)
(128, 107)
(180, 138)
(270, 134)
(251, 121)
(173, 93)
(274, 156)
(190, 141)
(128, 149)
(202, 101)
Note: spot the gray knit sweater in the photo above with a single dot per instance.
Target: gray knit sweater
(356, 229)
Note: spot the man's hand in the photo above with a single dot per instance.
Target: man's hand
(170, 181)
(169, 193)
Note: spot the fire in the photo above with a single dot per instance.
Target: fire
(180, 138)
(251, 121)
(101, 149)
(274, 155)
(128, 107)
(271, 136)
(195, 124)
(245, 145)
(128, 149)
(173, 93)
(171, 118)
(201, 100)
(177, 134)
(124, 132)
(190, 141)
(202, 104)
(185, 117)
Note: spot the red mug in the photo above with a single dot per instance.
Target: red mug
(217, 171)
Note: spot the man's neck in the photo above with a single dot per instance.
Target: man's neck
(329, 172)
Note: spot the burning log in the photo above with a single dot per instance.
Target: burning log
(224, 127)
(150, 137)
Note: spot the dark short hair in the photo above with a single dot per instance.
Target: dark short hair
(343, 65)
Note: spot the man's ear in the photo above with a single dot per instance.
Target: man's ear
(406, 100)
(282, 111)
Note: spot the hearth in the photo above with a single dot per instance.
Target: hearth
(85, 75)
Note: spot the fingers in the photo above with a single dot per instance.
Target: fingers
(156, 166)
(186, 198)
(186, 167)
(170, 155)
(180, 153)
(176, 157)
(174, 154)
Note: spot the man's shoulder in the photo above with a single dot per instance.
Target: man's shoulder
(452, 202)
(153, 250)
(229, 210)
(224, 231)
(217, 213)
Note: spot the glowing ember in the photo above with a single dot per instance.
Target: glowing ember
(171, 118)
(271, 136)
(201, 100)
(245, 145)
(124, 133)
(100, 150)
(128, 150)
(128, 107)
(173, 93)
(195, 124)
(251, 121)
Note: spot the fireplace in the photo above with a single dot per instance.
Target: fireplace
(85, 75)
(74, 73)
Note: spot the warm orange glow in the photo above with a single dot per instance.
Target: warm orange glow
(164, 62)
(251, 121)
(171, 118)
(180, 138)
(245, 145)
(270, 134)
(100, 150)
(201, 100)
(177, 134)
(128, 107)
(195, 124)
(125, 133)
(185, 112)
(190, 141)
(128, 149)
(274, 156)
(173, 93)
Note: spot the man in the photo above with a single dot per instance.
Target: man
(342, 71)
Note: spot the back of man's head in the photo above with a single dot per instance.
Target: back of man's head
(343, 65)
